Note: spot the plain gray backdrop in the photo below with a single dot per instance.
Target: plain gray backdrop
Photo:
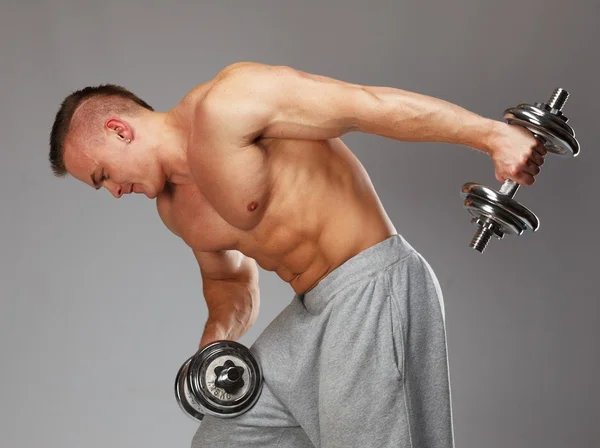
(100, 304)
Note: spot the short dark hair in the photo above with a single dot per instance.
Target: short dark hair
(64, 116)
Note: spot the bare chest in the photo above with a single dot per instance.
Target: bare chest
(269, 204)
(188, 214)
(236, 182)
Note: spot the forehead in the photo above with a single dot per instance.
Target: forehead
(79, 162)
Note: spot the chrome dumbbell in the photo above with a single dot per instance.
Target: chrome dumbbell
(222, 379)
(496, 213)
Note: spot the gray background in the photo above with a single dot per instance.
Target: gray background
(100, 304)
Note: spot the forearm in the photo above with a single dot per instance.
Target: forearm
(233, 307)
(409, 116)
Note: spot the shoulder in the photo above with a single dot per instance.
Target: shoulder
(242, 95)
(248, 69)
(246, 80)
(236, 105)
(244, 77)
(232, 78)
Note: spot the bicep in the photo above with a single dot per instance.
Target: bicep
(255, 100)
(226, 265)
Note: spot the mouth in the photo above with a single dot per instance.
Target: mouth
(138, 189)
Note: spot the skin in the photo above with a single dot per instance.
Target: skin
(249, 169)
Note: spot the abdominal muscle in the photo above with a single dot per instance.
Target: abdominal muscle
(322, 210)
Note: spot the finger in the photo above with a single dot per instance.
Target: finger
(521, 177)
(531, 168)
(525, 179)
(540, 148)
(536, 158)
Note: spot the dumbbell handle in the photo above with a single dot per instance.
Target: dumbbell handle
(509, 188)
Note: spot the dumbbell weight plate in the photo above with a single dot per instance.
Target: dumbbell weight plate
(503, 223)
(195, 388)
(512, 217)
(558, 137)
(543, 112)
(188, 404)
(216, 400)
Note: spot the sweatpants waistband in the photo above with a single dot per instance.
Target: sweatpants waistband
(365, 264)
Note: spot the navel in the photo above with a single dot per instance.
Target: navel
(252, 206)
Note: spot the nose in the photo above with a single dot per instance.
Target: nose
(115, 189)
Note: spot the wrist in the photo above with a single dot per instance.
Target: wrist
(484, 133)
(214, 330)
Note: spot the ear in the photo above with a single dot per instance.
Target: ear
(119, 128)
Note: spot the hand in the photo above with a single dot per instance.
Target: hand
(516, 153)
(213, 331)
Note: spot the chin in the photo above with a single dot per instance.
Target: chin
(150, 194)
(143, 189)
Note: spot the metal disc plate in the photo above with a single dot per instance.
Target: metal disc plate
(510, 215)
(214, 400)
(480, 209)
(558, 137)
(183, 395)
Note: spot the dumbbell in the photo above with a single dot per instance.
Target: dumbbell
(222, 379)
(496, 213)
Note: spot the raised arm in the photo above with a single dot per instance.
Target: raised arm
(282, 102)
(230, 287)
(251, 100)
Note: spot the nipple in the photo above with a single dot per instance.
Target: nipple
(252, 206)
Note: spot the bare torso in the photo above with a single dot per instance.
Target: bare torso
(299, 208)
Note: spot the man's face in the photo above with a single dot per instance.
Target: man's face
(119, 167)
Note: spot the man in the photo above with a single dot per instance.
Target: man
(249, 169)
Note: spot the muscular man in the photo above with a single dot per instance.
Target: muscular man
(249, 169)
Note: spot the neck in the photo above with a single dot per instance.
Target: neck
(172, 147)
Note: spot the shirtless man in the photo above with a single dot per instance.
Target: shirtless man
(249, 169)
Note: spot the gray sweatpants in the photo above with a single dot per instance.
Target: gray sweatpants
(358, 361)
